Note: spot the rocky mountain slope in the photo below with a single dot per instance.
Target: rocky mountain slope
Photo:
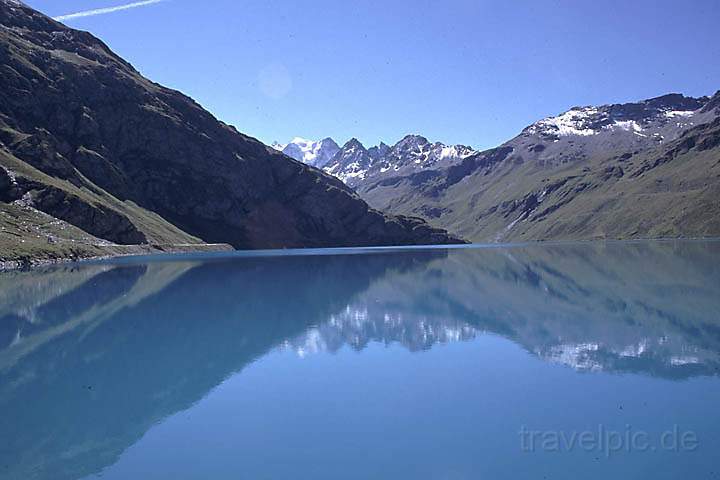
(645, 169)
(85, 139)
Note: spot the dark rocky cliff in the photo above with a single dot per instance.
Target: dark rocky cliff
(85, 138)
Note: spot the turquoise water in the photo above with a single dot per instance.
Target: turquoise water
(569, 361)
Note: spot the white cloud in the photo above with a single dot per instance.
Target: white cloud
(101, 11)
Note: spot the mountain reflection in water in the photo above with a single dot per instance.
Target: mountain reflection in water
(91, 356)
(651, 308)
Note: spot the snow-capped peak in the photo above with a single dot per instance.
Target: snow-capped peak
(353, 163)
(576, 121)
(653, 114)
(316, 153)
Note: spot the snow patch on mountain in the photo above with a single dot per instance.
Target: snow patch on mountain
(650, 117)
(679, 113)
(627, 125)
(352, 172)
(573, 122)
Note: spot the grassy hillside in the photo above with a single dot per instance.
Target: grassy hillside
(666, 191)
(29, 235)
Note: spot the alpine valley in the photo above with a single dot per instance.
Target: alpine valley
(96, 160)
(649, 169)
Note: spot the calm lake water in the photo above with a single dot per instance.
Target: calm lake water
(590, 361)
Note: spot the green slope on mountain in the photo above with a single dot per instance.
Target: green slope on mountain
(605, 189)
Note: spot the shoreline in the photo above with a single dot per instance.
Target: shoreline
(115, 251)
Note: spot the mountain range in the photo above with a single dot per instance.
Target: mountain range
(634, 170)
(356, 165)
(94, 157)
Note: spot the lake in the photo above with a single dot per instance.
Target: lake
(556, 361)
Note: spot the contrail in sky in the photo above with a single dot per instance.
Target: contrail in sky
(101, 11)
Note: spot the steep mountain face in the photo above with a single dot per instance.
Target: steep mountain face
(356, 165)
(314, 153)
(351, 164)
(379, 151)
(86, 139)
(646, 169)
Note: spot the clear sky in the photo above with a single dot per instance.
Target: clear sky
(456, 71)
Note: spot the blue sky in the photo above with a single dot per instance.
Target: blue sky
(456, 71)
